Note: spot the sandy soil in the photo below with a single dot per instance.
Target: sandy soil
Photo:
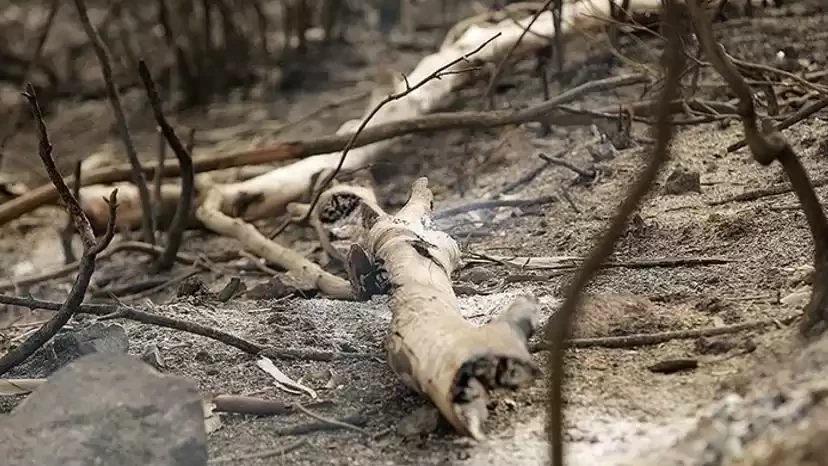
(617, 409)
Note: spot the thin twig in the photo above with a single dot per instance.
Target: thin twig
(800, 115)
(586, 174)
(496, 73)
(166, 284)
(13, 122)
(764, 192)
(390, 98)
(299, 149)
(91, 246)
(319, 110)
(240, 404)
(334, 422)
(155, 251)
(316, 355)
(147, 227)
(311, 427)
(127, 312)
(558, 330)
(182, 213)
(649, 339)
(260, 454)
(68, 232)
(492, 204)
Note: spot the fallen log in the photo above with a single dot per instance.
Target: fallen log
(273, 190)
(430, 346)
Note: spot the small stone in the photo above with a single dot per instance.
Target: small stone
(192, 286)
(274, 288)
(682, 181)
(602, 150)
(107, 409)
(714, 345)
(798, 298)
(800, 275)
(478, 275)
(422, 420)
(204, 356)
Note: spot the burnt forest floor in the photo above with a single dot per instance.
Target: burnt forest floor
(615, 406)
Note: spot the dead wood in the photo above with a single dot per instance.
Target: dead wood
(573, 262)
(548, 112)
(648, 339)
(273, 190)
(258, 406)
(11, 127)
(437, 74)
(138, 177)
(185, 163)
(305, 274)
(332, 205)
(285, 184)
(120, 311)
(136, 246)
(68, 231)
(798, 116)
(558, 329)
(493, 204)
(767, 145)
(755, 194)
(430, 346)
(91, 247)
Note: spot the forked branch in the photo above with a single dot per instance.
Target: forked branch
(182, 212)
(91, 246)
(767, 144)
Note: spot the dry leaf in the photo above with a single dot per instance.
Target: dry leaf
(11, 387)
(212, 421)
(283, 381)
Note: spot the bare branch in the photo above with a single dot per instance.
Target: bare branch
(125, 312)
(390, 98)
(558, 329)
(300, 149)
(148, 230)
(185, 162)
(497, 72)
(68, 231)
(767, 144)
(91, 247)
(13, 122)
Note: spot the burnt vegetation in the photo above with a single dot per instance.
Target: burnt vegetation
(330, 216)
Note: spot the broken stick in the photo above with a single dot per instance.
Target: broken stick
(91, 247)
(767, 145)
(430, 346)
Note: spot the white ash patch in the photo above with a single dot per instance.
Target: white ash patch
(595, 437)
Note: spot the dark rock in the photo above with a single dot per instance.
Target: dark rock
(107, 409)
(192, 286)
(478, 275)
(682, 181)
(601, 150)
(422, 420)
(274, 288)
(69, 346)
